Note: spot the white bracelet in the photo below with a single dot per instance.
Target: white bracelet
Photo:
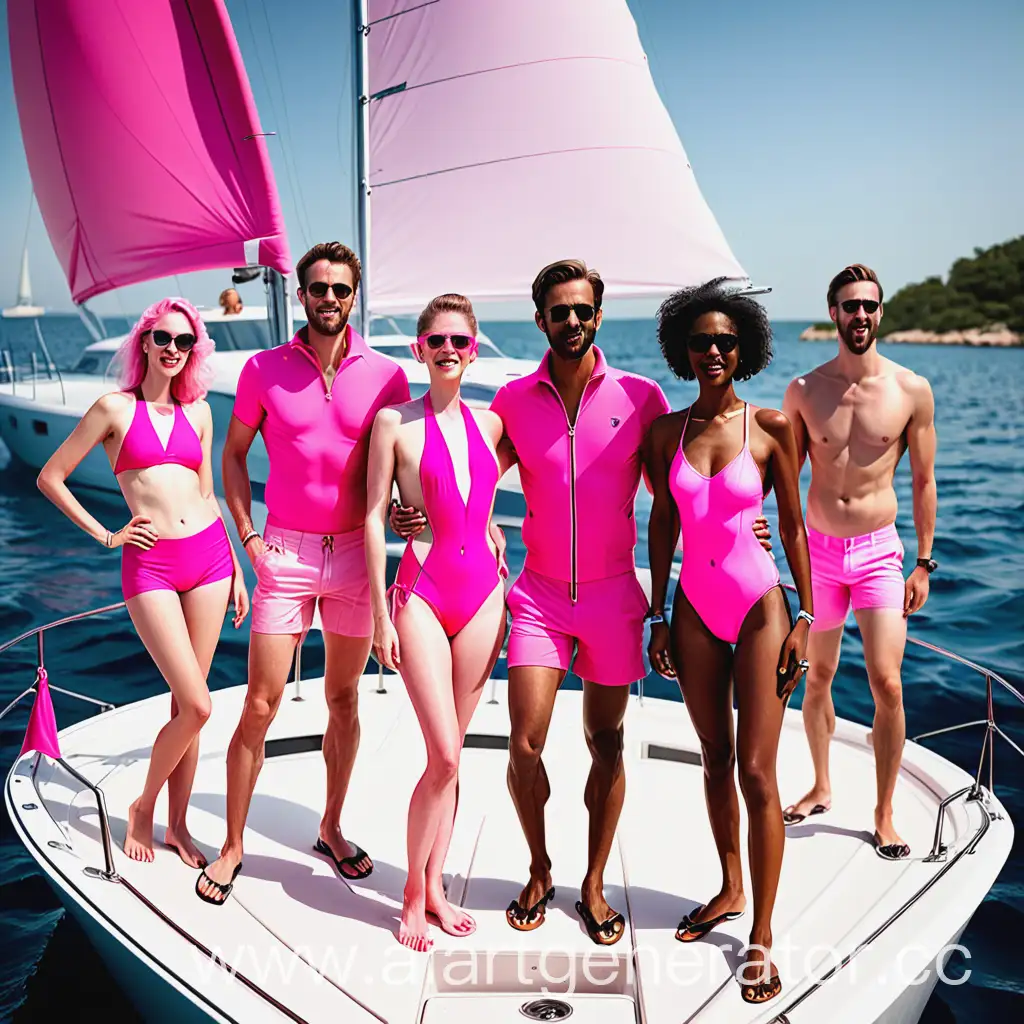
(249, 536)
(805, 615)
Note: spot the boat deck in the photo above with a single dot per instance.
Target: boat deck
(312, 947)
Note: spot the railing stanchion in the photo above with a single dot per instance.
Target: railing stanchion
(298, 671)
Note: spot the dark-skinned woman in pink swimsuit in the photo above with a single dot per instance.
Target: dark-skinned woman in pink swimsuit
(442, 622)
(731, 624)
(178, 569)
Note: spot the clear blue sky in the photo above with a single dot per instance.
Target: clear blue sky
(821, 134)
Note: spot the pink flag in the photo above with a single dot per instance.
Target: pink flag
(41, 733)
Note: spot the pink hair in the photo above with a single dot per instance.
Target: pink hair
(191, 384)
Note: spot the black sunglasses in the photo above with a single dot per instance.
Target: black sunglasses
(852, 305)
(702, 342)
(182, 342)
(459, 341)
(584, 312)
(318, 289)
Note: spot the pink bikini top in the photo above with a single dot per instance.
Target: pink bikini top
(141, 447)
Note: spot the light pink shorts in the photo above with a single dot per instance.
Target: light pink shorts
(300, 569)
(865, 572)
(605, 625)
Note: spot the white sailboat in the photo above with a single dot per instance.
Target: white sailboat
(476, 180)
(23, 306)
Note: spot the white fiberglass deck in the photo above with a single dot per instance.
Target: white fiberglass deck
(326, 951)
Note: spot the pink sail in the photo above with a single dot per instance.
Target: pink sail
(504, 136)
(139, 124)
(41, 733)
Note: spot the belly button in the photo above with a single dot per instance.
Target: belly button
(182, 521)
(844, 499)
(712, 563)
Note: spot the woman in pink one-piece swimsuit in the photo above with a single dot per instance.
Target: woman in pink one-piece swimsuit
(442, 622)
(711, 466)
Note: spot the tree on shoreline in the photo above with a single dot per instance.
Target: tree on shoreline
(984, 289)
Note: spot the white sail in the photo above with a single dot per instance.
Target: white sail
(24, 284)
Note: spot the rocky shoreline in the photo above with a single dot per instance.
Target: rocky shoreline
(996, 335)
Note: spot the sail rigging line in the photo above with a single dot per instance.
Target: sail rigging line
(300, 212)
(398, 14)
(526, 156)
(284, 104)
(403, 87)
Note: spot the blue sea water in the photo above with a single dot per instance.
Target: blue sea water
(49, 569)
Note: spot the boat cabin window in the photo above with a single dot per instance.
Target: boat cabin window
(91, 362)
(239, 335)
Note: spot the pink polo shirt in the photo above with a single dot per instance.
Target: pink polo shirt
(317, 437)
(580, 482)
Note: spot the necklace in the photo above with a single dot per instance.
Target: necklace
(727, 416)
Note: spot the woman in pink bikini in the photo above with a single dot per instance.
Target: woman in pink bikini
(711, 466)
(442, 622)
(178, 569)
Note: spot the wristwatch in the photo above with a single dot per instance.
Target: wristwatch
(652, 616)
(928, 564)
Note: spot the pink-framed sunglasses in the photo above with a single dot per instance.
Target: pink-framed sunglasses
(460, 342)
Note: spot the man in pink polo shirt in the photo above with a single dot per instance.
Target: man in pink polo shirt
(314, 401)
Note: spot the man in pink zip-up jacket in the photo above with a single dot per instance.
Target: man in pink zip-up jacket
(577, 426)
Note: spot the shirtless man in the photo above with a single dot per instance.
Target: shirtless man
(854, 416)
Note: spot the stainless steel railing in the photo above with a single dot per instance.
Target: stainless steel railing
(109, 873)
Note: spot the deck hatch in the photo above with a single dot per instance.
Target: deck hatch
(293, 745)
(484, 741)
(658, 752)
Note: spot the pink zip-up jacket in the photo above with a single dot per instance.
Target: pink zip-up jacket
(580, 480)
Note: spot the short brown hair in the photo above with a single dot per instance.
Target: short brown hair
(559, 273)
(450, 302)
(333, 252)
(850, 275)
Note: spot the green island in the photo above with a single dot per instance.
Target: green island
(980, 303)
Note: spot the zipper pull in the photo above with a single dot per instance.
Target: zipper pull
(572, 430)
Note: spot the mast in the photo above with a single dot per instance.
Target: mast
(362, 92)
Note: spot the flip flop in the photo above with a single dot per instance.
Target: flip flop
(762, 992)
(891, 851)
(606, 929)
(224, 888)
(322, 848)
(795, 819)
(521, 919)
(690, 930)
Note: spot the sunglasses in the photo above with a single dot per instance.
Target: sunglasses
(459, 341)
(584, 312)
(702, 342)
(852, 305)
(318, 289)
(182, 342)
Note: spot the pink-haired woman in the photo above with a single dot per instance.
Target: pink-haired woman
(178, 569)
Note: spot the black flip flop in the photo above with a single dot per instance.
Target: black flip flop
(605, 929)
(891, 851)
(516, 912)
(762, 992)
(322, 848)
(224, 888)
(795, 819)
(690, 930)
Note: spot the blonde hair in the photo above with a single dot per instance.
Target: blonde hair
(450, 302)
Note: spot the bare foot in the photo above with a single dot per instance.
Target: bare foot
(453, 920)
(180, 840)
(138, 840)
(758, 976)
(341, 848)
(413, 930)
(223, 871)
(815, 801)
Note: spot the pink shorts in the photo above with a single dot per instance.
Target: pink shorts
(865, 572)
(177, 563)
(605, 625)
(298, 570)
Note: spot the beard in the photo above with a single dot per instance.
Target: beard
(858, 346)
(328, 328)
(570, 346)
